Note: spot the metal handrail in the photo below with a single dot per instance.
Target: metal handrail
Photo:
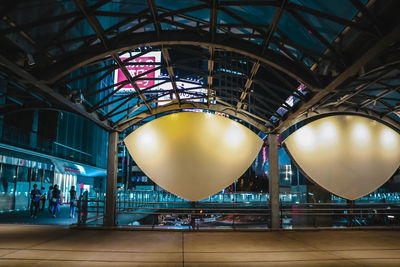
(342, 204)
(198, 203)
(171, 208)
(204, 213)
(261, 210)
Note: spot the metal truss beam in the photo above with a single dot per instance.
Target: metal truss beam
(180, 37)
(164, 51)
(254, 69)
(392, 37)
(296, 7)
(378, 96)
(170, 70)
(77, 108)
(359, 89)
(346, 110)
(230, 110)
(95, 24)
(212, 31)
(318, 35)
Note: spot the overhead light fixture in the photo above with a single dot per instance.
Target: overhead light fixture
(30, 60)
(348, 155)
(193, 154)
(77, 96)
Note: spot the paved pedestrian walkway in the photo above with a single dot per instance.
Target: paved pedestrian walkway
(33, 245)
(43, 217)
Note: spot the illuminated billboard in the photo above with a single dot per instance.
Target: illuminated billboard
(194, 89)
(136, 67)
(147, 62)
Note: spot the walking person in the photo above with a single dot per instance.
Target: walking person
(50, 198)
(73, 202)
(35, 200)
(56, 199)
(43, 199)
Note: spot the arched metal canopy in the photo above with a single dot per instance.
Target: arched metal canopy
(268, 62)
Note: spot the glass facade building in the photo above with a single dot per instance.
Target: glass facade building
(47, 147)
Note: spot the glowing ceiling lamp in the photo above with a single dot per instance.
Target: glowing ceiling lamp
(193, 154)
(350, 156)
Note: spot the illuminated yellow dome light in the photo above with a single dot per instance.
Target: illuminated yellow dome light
(193, 154)
(348, 155)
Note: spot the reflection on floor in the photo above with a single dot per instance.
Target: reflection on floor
(28, 245)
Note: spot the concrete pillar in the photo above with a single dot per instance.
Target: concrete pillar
(112, 169)
(274, 181)
(3, 96)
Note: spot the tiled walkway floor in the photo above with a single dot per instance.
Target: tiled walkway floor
(32, 245)
(43, 217)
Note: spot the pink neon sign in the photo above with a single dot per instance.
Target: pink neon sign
(149, 62)
(135, 70)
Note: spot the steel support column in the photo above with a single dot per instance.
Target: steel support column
(33, 140)
(274, 181)
(111, 190)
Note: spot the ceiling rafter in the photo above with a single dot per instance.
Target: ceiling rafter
(164, 51)
(230, 110)
(283, 40)
(99, 79)
(40, 22)
(286, 62)
(78, 108)
(377, 98)
(364, 10)
(361, 88)
(154, 99)
(89, 73)
(392, 37)
(95, 24)
(135, 78)
(254, 69)
(212, 32)
(298, 7)
(318, 35)
(83, 57)
(180, 13)
(128, 108)
(25, 35)
(127, 98)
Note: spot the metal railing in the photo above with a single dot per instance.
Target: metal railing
(89, 210)
(157, 209)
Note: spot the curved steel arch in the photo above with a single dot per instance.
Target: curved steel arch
(324, 112)
(226, 42)
(230, 110)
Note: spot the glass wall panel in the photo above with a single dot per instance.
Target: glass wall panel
(23, 188)
(7, 178)
(7, 187)
(64, 182)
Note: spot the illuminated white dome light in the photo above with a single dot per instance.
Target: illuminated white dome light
(388, 139)
(361, 134)
(234, 135)
(349, 155)
(193, 154)
(306, 138)
(328, 133)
